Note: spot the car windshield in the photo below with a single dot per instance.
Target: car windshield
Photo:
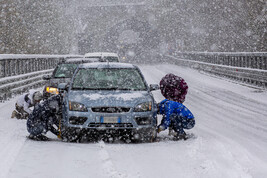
(108, 79)
(65, 70)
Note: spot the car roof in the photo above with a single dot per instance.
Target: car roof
(100, 54)
(80, 60)
(107, 65)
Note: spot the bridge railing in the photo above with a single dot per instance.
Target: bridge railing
(19, 73)
(249, 68)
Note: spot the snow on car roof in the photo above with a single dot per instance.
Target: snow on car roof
(107, 65)
(100, 54)
(70, 60)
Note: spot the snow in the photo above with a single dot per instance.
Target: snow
(229, 139)
(123, 96)
(104, 64)
(100, 54)
(29, 56)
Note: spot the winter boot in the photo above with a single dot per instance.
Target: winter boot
(15, 114)
(179, 136)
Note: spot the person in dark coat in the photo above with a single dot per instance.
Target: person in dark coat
(43, 118)
(175, 115)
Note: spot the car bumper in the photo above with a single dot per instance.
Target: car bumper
(110, 121)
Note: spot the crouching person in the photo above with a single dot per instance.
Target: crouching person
(44, 119)
(176, 115)
(24, 103)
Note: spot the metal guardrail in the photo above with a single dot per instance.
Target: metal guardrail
(16, 64)
(251, 60)
(19, 73)
(249, 68)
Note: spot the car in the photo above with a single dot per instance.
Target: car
(62, 73)
(108, 100)
(103, 56)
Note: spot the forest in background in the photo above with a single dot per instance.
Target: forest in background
(53, 26)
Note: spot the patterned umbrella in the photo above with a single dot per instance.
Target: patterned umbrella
(173, 88)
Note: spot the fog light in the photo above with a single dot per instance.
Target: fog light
(143, 120)
(52, 90)
(136, 136)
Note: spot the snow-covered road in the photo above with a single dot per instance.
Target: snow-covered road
(228, 141)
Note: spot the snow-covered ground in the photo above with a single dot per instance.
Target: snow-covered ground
(228, 141)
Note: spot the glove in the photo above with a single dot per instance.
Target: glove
(160, 128)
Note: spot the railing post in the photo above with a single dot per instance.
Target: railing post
(242, 62)
(265, 62)
(8, 67)
(2, 68)
(259, 64)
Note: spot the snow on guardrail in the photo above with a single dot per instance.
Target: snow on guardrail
(254, 76)
(21, 72)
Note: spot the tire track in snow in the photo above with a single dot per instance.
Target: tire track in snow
(205, 160)
(8, 153)
(108, 166)
(13, 136)
(235, 99)
(243, 118)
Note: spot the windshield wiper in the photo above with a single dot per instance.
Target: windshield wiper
(62, 77)
(125, 89)
(82, 88)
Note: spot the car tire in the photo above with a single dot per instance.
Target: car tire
(152, 136)
(70, 135)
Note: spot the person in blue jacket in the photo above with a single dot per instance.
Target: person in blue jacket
(175, 114)
(44, 119)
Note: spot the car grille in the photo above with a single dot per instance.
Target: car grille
(110, 109)
(111, 125)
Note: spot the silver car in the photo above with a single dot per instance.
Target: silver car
(62, 73)
(108, 100)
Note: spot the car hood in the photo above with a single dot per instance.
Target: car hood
(110, 98)
(55, 81)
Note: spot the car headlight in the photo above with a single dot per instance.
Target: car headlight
(143, 107)
(74, 106)
(52, 90)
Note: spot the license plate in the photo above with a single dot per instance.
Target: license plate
(109, 120)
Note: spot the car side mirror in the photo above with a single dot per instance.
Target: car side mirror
(153, 87)
(46, 77)
(62, 87)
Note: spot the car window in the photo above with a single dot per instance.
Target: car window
(111, 59)
(108, 79)
(65, 70)
(93, 57)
